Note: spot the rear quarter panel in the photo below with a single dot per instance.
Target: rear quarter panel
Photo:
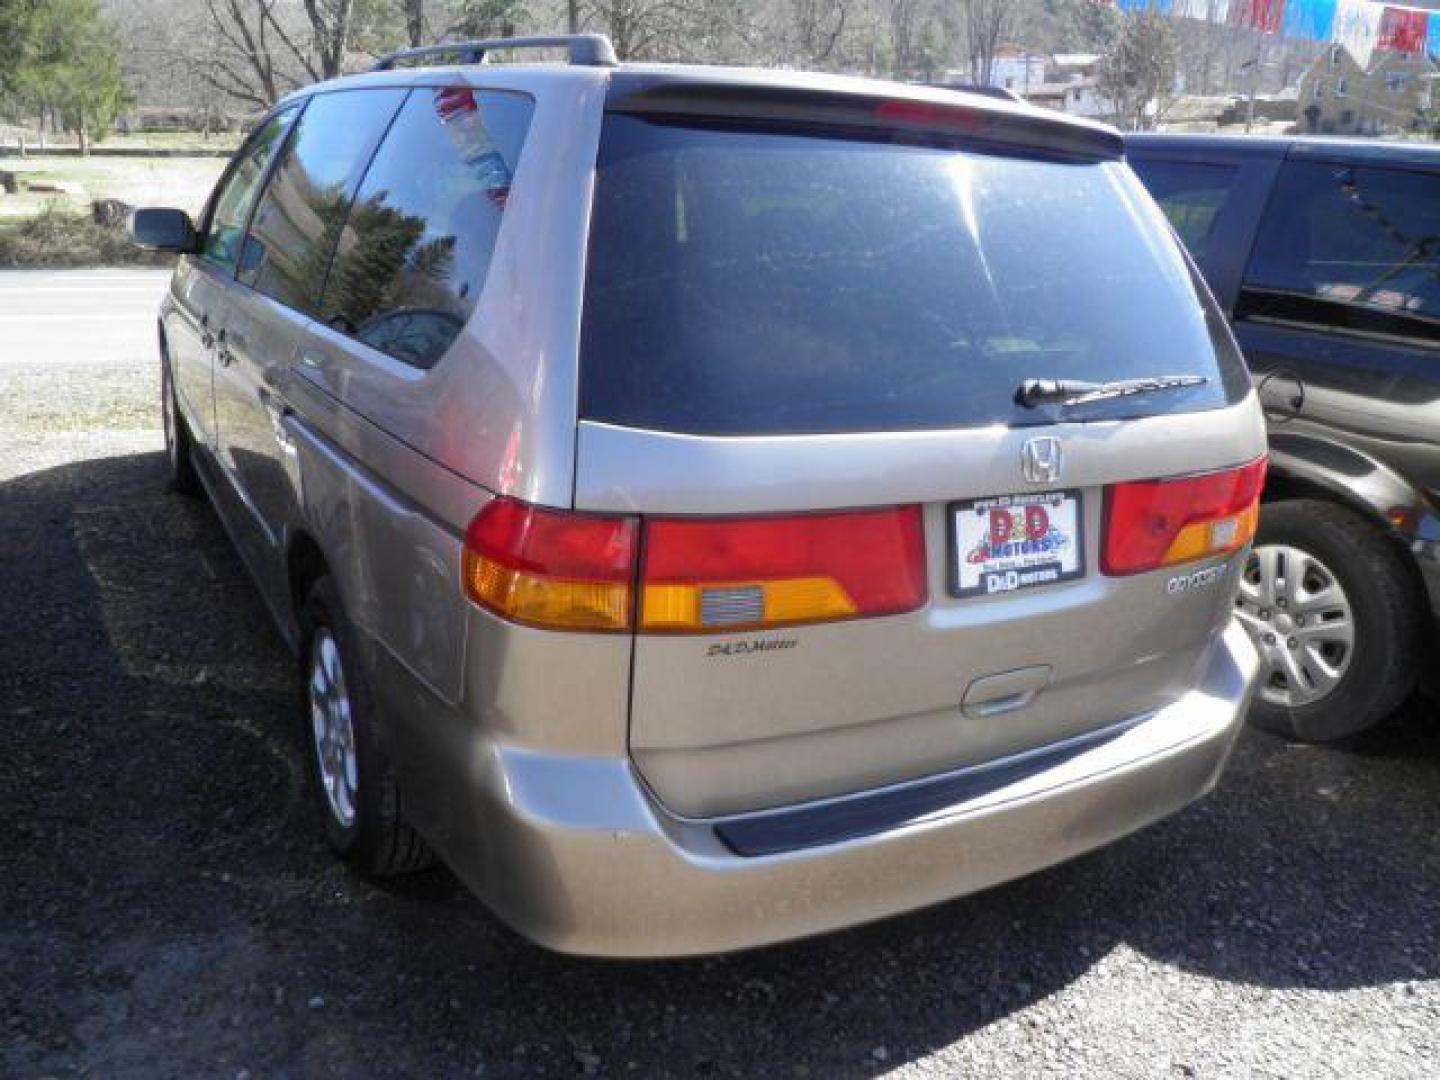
(499, 408)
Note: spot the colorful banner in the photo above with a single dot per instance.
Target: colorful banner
(1357, 27)
(1262, 15)
(1216, 11)
(1402, 30)
(1362, 26)
(1312, 19)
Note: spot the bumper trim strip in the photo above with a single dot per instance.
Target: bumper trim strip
(836, 820)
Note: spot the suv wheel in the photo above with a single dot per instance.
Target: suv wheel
(356, 789)
(1332, 607)
(180, 466)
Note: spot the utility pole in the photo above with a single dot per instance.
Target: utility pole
(1255, 67)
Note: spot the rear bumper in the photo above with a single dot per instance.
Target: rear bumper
(577, 855)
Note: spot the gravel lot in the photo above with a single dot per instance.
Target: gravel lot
(167, 906)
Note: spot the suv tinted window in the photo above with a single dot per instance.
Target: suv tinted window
(1192, 196)
(1351, 246)
(746, 282)
(232, 204)
(415, 249)
(298, 220)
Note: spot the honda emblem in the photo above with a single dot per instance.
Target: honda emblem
(1040, 460)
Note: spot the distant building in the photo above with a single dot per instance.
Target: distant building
(1072, 67)
(1069, 86)
(1064, 82)
(1012, 69)
(1075, 98)
(1394, 95)
(1017, 70)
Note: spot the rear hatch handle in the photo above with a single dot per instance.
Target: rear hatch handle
(1006, 692)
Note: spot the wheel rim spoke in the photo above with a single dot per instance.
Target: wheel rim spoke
(1295, 610)
(1338, 630)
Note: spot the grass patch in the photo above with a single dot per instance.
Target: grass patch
(182, 182)
(55, 237)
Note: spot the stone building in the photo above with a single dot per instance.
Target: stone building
(1393, 96)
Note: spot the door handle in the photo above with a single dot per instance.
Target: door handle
(222, 351)
(207, 339)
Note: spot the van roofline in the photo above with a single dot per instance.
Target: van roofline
(707, 85)
(1327, 148)
(698, 90)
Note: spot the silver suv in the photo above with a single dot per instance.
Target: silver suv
(715, 506)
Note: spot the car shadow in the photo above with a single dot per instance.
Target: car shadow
(169, 906)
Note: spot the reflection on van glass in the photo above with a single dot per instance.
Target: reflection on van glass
(412, 256)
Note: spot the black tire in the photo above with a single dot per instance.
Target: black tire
(1388, 614)
(179, 447)
(376, 841)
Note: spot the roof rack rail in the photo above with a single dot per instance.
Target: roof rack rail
(589, 50)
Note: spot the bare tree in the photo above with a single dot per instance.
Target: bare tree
(984, 26)
(266, 49)
(331, 24)
(1137, 76)
(906, 21)
(414, 13)
(258, 59)
(817, 27)
(670, 29)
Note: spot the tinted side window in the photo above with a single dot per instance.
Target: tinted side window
(414, 252)
(232, 205)
(1192, 195)
(1350, 246)
(298, 220)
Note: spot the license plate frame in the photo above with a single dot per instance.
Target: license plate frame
(1044, 571)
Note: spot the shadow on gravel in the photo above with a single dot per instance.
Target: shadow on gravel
(168, 908)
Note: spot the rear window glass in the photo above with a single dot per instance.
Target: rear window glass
(757, 282)
(1191, 194)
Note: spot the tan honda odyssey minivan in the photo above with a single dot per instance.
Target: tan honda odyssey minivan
(714, 506)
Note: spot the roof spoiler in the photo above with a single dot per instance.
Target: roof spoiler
(586, 50)
(969, 118)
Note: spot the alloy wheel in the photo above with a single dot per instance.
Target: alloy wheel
(330, 719)
(1300, 619)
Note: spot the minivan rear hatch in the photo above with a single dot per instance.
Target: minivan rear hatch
(804, 332)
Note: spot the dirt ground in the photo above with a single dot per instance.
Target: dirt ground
(168, 907)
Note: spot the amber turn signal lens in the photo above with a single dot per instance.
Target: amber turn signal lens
(551, 568)
(1155, 523)
(712, 576)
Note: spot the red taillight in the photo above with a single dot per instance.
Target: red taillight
(568, 571)
(551, 568)
(1155, 523)
(743, 573)
(923, 114)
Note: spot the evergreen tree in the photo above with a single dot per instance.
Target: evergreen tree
(60, 58)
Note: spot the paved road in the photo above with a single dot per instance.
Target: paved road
(167, 907)
(78, 316)
(77, 364)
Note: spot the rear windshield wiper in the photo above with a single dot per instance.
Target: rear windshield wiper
(1033, 392)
